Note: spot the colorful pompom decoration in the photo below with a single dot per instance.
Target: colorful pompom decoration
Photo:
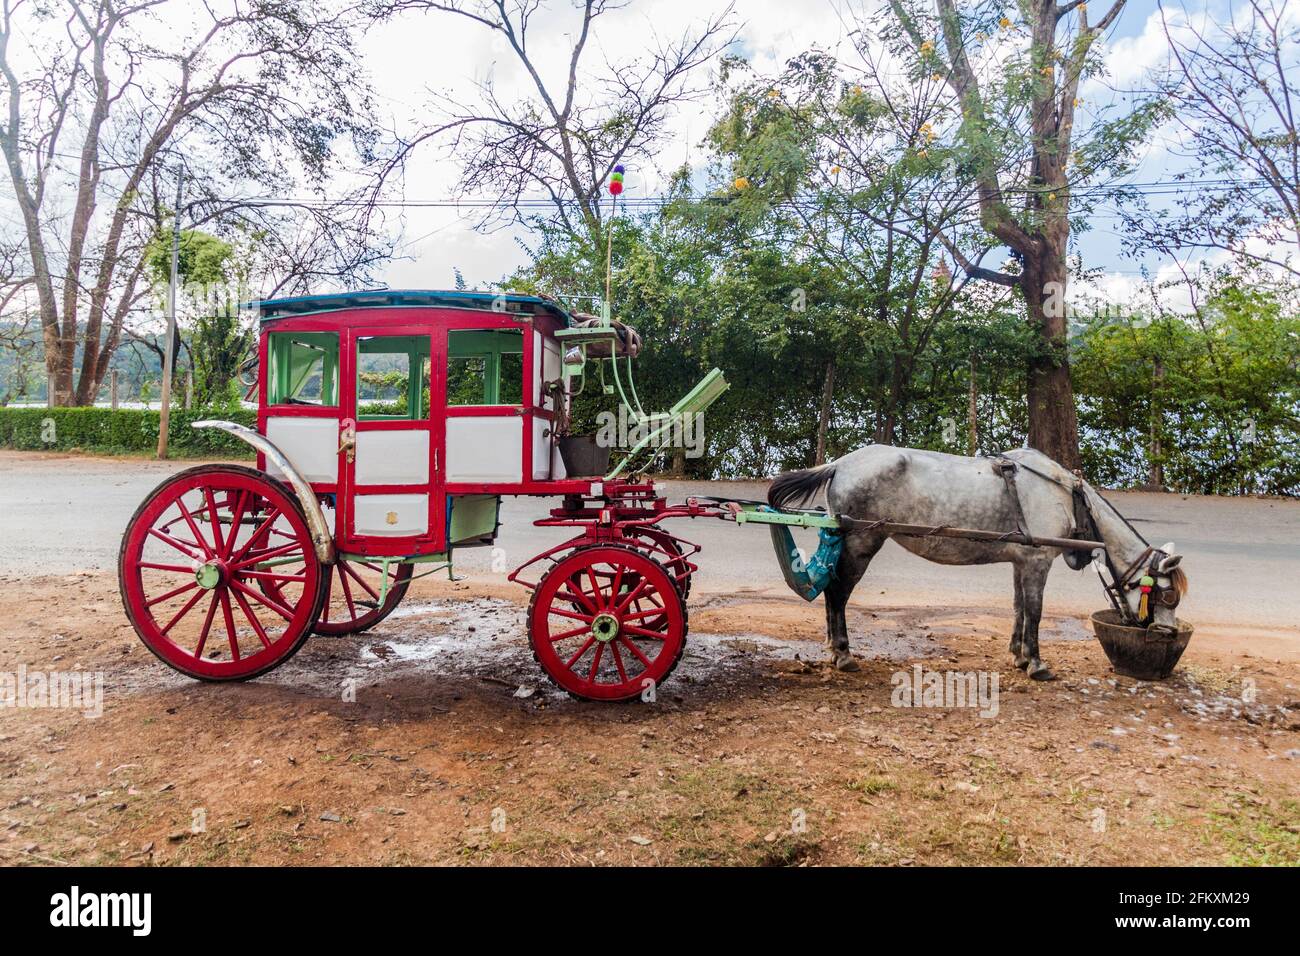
(616, 180)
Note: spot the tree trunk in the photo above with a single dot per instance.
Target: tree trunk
(1155, 454)
(823, 423)
(972, 408)
(1053, 420)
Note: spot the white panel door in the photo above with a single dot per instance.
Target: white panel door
(392, 457)
(397, 516)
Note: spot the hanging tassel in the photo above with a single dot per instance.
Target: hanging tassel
(1144, 604)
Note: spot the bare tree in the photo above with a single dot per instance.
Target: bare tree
(1017, 134)
(562, 142)
(1232, 89)
(98, 118)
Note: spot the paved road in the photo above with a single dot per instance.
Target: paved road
(62, 513)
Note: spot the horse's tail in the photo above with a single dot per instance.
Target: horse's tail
(797, 487)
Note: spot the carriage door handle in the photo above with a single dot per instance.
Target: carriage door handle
(348, 439)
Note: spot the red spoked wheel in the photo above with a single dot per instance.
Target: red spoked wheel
(218, 574)
(607, 622)
(352, 592)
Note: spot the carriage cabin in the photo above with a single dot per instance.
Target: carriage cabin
(411, 413)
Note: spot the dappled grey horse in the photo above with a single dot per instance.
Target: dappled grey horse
(910, 486)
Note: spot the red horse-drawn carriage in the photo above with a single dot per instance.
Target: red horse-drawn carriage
(389, 426)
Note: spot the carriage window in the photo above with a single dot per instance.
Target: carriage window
(392, 377)
(485, 367)
(303, 369)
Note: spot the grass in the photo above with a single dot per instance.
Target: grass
(1266, 835)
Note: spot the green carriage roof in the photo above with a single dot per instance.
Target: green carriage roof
(271, 309)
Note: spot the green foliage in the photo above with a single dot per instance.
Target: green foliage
(125, 431)
(203, 258)
(1216, 392)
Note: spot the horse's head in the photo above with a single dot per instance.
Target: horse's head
(1168, 585)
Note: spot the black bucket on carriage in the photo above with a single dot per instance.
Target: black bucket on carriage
(583, 457)
(1139, 652)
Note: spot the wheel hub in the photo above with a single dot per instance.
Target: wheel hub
(208, 575)
(604, 627)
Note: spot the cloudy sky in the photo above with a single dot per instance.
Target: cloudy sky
(420, 53)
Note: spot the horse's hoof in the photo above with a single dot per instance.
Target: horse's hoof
(1022, 662)
(1041, 672)
(845, 663)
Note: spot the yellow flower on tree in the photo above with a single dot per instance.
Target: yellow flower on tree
(741, 182)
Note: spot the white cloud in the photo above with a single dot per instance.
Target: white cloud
(418, 53)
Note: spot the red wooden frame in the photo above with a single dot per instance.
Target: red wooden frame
(435, 322)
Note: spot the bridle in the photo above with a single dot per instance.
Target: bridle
(1147, 563)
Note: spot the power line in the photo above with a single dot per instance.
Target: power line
(1168, 188)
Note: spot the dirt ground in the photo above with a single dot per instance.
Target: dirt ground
(456, 750)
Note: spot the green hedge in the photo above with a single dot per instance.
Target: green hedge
(125, 431)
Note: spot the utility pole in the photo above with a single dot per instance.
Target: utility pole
(164, 414)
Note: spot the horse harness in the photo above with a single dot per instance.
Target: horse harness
(1085, 526)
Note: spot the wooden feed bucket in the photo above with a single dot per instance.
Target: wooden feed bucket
(1136, 652)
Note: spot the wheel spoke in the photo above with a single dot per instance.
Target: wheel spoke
(347, 596)
(261, 528)
(177, 568)
(273, 576)
(194, 528)
(329, 596)
(236, 515)
(632, 596)
(567, 634)
(635, 650)
(183, 611)
(275, 606)
(230, 623)
(215, 519)
(279, 552)
(595, 663)
(595, 588)
(182, 548)
(348, 569)
(642, 632)
(562, 612)
(618, 662)
(655, 611)
(582, 650)
(578, 596)
(618, 584)
(171, 594)
(252, 619)
(207, 626)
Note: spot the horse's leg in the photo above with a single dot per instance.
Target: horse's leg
(857, 554)
(1018, 629)
(1033, 583)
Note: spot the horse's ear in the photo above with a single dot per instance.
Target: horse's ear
(1169, 563)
